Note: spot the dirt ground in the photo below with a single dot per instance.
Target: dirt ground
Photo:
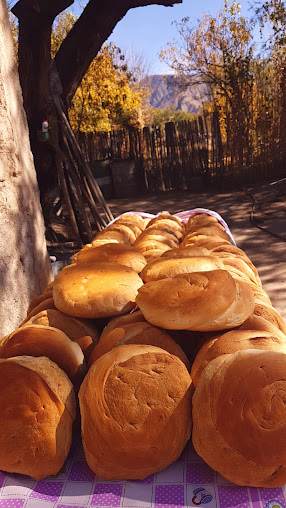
(267, 251)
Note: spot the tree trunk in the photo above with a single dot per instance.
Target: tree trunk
(25, 268)
(72, 61)
(35, 28)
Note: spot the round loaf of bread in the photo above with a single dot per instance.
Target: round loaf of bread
(269, 313)
(232, 341)
(144, 333)
(39, 299)
(126, 319)
(167, 216)
(119, 253)
(186, 252)
(82, 331)
(138, 333)
(38, 340)
(73, 327)
(203, 301)
(88, 291)
(135, 219)
(206, 231)
(152, 254)
(203, 241)
(123, 229)
(239, 417)
(37, 409)
(146, 245)
(242, 266)
(106, 344)
(200, 219)
(229, 249)
(169, 267)
(167, 225)
(231, 256)
(135, 405)
(110, 236)
(158, 235)
(47, 303)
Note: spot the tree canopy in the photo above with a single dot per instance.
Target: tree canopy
(107, 97)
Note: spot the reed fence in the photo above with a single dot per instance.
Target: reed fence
(187, 155)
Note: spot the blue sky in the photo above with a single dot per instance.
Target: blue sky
(146, 30)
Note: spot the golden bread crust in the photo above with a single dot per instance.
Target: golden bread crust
(38, 340)
(200, 301)
(104, 290)
(136, 412)
(121, 254)
(169, 267)
(36, 427)
(239, 417)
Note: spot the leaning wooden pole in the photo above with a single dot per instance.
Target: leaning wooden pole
(80, 190)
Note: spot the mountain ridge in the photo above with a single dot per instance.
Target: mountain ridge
(165, 92)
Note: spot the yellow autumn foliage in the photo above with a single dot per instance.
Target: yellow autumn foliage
(107, 97)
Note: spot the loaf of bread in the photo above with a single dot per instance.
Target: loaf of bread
(38, 340)
(270, 314)
(135, 404)
(162, 233)
(169, 267)
(45, 304)
(232, 341)
(82, 331)
(117, 322)
(123, 230)
(185, 252)
(37, 409)
(203, 301)
(239, 417)
(89, 291)
(203, 240)
(138, 333)
(118, 253)
(35, 302)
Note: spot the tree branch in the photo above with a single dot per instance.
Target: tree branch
(87, 36)
(37, 11)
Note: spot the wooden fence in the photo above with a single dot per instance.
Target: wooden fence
(186, 156)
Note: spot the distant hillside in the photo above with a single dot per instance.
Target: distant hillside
(165, 94)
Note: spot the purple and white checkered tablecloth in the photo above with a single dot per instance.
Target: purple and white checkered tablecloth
(188, 482)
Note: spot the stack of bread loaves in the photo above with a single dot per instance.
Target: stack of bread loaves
(123, 230)
(184, 311)
(162, 233)
(239, 411)
(47, 356)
